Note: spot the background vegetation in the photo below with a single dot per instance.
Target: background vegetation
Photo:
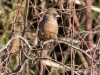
(75, 52)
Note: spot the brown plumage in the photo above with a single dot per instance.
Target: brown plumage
(48, 28)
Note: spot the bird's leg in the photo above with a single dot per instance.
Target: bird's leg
(43, 55)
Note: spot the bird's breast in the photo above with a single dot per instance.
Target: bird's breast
(50, 25)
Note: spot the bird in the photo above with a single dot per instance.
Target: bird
(48, 27)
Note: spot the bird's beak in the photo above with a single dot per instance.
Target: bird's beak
(57, 15)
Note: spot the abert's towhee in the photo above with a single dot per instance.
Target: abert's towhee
(48, 28)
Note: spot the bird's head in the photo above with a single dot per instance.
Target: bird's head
(52, 13)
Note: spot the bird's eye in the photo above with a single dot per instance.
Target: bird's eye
(54, 15)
